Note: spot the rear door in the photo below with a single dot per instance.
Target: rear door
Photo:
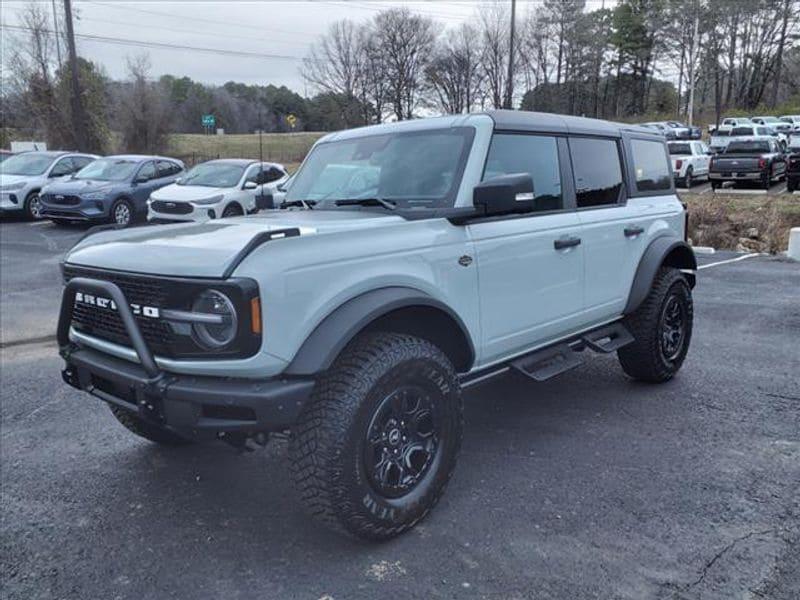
(611, 228)
(530, 266)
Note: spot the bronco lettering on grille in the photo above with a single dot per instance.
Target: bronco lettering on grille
(151, 312)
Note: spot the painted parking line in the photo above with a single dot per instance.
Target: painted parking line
(730, 260)
(39, 223)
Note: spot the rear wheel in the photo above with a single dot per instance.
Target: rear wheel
(688, 180)
(662, 329)
(375, 447)
(148, 431)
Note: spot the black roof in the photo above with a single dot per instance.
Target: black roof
(521, 120)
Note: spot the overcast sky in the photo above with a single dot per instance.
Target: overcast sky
(277, 33)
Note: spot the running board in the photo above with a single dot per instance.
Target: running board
(608, 339)
(554, 360)
(544, 364)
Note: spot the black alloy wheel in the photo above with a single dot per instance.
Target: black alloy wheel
(672, 328)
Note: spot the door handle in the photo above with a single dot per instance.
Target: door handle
(567, 242)
(633, 231)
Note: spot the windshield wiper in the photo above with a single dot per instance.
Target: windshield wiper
(387, 204)
(307, 204)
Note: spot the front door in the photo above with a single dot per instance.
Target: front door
(530, 267)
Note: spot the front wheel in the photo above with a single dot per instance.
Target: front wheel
(662, 329)
(122, 213)
(375, 447)
(232, 210)
(33, 206)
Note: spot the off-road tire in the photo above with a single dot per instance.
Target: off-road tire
(31, 201)
(146, 430)
(232, 210)
(644, 359)
(328, 446)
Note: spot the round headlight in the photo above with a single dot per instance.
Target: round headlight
(214, 335)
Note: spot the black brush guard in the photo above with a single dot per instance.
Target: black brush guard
(193, 406)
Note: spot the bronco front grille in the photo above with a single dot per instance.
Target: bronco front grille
(106, 324)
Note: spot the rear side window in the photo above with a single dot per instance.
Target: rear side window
(167, 168)
(536, 155)
(597, 170)
(653, 172)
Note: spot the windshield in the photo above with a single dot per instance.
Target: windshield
(742, 131)
(744, 147)
(30, 163)
(220, 175)
(412, 169)
(108, 169)
(677, 149)
(770, 119)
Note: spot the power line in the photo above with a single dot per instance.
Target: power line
(164, 45)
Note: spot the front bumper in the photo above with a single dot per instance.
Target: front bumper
(196, 407)
(197, 213)
(86, 210)
(11, 201)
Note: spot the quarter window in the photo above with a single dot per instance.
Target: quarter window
(533, 154)
(597, 170)
(653, 172)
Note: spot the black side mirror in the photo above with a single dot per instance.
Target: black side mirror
(505, 195)
(265, 201)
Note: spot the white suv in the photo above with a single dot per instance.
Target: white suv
(215, 189)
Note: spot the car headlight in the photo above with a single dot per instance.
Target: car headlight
(206, 201)
(95, 195)
(222, 325)
(14, 186)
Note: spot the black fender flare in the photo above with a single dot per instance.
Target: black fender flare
(663, 250)
(336, 330)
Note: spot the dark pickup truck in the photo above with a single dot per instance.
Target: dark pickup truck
(793, 165)
(757, 160)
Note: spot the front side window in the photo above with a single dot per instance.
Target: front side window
(62, 167)
(653, 172)
(81, 161)
(411, 169)
(108, 169)
(535, 155)
(597, 170)
(167, 168)
(222, 175)
(28, 163)
(147, 172)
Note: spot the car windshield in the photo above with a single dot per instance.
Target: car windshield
(742, 131)
(30, 163)
(409, 169)
(220, 175)
(722, 133)
(108, 169)
(679, 149)
(747, 147)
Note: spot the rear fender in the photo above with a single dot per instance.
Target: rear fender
(663, 251)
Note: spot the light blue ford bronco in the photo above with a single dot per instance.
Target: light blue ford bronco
(407, 262)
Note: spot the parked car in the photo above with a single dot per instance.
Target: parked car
(793, 165)
(494, 242)
(683, 131)
(23, 176)
(758, 160)
(723, 136)
(690, 161)
(731, 122)
(667, 132)
(113, 189)
(215, 189)
(279, 195)
(774, 123)
(794, 121)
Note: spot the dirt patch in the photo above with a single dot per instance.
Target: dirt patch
(758, 223)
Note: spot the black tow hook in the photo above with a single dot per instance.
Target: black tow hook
(244, 442)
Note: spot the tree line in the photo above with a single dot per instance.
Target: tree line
(630, 60)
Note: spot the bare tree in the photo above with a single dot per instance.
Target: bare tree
(453, 73)
(335, 62)
(494, 20)
(406, 41)
(143, 114)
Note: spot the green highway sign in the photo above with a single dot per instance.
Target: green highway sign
(209, 121)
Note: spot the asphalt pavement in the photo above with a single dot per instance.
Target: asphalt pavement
(586, 486)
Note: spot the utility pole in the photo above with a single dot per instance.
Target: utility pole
(693, 65)
(55, 30)
(510, 82)
(78, 114)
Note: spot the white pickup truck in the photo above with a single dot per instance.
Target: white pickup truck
(690, 161)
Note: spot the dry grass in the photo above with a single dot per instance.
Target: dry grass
(754, 223)
(286, 148)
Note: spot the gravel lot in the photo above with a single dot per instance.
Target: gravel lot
(587, 486)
